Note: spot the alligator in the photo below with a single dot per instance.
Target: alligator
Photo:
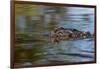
(61, 33)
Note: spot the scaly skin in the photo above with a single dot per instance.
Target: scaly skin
(61, 33)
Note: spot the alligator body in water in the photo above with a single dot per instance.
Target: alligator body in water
(61, 33)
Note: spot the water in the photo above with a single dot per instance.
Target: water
(35, 46)
(64, 52)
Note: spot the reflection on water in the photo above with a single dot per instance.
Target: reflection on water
(33, 45)
(66, 51)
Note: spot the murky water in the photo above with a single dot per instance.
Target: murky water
(39, 49)
(64, 52)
